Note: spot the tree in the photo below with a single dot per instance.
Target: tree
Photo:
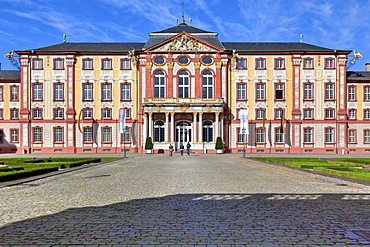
(148, 143)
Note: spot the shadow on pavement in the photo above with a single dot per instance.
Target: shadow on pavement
(219, 219)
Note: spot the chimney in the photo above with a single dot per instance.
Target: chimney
(367, 66)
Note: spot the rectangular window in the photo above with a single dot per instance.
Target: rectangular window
(352, 93)
(260, 114)
(58, 113)
(1, 93)
(279, 135)
(1, 114)
(58, 64)
(126, 135)
(87, 64)
(329, 63)
(58, 91)
(128, 113)
(308, 63)
(107, 113)
(106, 64)
(87, 135)
(87, 91)
(307, 91)
(260, 63)
(14, 93)
(242, 64)
(14, 114)
(307, 114)
(329, 91)
(329, 114)
(58, 135)
(125, 64)
(366, 136)
(260, 94)
(307, 136)
(352, 136)
(14, 136)
(367, 93)
(37, 64)
(37, 113)
(366, 114)
(106, 91)
(279, 63)
(278, 114)
(125, 92)
(37, 135)
(37, 91)
(87, 113)
(260, 135)
(1, 136)
(241, 136)
(279, 91)
(242, 91)
(107, 135)
(352, 114)
(329, 135)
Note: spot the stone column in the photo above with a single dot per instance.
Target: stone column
(166, 132)
(200, 132)
(172, 127)
(194, 137)
(150, 124)
(217, 133)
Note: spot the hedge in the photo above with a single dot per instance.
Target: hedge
(345, 172)
(8, 176)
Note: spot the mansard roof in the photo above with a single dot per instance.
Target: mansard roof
(183, 27)
(9, 75)
(273, 46)
(358, 76)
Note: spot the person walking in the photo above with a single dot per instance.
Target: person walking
(171, 149)
(182, 149)
(188, 145)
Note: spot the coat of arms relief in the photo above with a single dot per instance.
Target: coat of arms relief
(184, 43)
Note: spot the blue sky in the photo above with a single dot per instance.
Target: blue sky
(339, 24)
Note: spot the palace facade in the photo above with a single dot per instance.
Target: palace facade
(184, 85)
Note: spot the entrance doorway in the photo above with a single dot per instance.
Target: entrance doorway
(183, 133)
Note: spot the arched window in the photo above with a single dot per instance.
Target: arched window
(159, 84)
(207, 84)
(183, 85)
(159, 131)
(207, 131)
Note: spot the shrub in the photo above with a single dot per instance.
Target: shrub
(148, 143)
(219, 143)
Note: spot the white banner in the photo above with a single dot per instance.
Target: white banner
(243, 115)
(122, 120)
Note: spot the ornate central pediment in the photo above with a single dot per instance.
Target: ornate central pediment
(184, 43)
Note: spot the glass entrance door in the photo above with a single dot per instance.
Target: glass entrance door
(183, 133)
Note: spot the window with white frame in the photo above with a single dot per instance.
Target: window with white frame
(329, 63)
(14, 136)
(307, 135)
(58, 135)
(260, 91)
(58, 113)
(279, 135)
(278, 114)
(87, 64)
(128, 113)
(14, 114)
(37, 91)
(37, 64)
(367, 93)
(37, 135)
(307, 91)
(106, 64)
(279, 91)
(106, 135)
(87, 91)
(126, 135)
(351, 93)
(329, 135)
(87, 113)
(159, 84)
(352, 114)
(241, 136)
(106, 91)
(242, 64)
(125, 91)
(183, 84)
(58, 64)
(260, 135)
(58, 91)
(37, 113)
(87, 134)
(329, 114)
(159, 130)
(1, 114)
(279, 63)
(1, 93)
(352, 136)
(242, 91)
(207, 84)
(14, 93)
(329, 91)
(260, 63)
(107, 113)
(260, 114)
(307, 63)
(367, 136)
(366, 114)
(307, 114)
(207, 131)
(1, 136)
(125, 64)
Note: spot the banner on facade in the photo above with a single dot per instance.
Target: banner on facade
(243, 115)
(283, 122)
(122, 120)
(79, 120)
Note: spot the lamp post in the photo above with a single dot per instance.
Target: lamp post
(245, 137)
(124, 141)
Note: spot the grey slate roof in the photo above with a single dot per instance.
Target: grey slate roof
(10, 75)
(272, 46)
(358, 75)
(183, 27)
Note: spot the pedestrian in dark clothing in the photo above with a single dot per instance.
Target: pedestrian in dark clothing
(182, 149)
(171, 149)
(188, 148)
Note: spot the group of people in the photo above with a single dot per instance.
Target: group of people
(188, 146)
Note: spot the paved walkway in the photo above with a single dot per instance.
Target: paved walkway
(201, 200)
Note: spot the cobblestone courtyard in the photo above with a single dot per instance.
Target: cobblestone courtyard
(213, 200)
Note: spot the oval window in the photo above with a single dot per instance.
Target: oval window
(159, 60)
(207, 60)
(183, 60)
